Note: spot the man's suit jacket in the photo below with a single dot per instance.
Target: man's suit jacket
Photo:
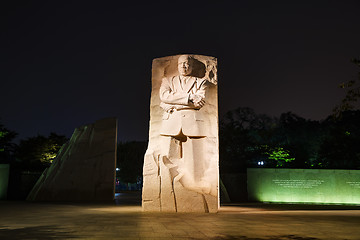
(180, 114)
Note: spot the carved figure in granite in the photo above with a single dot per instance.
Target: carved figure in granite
(181, 163)
(183, 129)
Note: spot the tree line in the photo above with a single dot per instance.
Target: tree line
(246, 139)
(31, 154)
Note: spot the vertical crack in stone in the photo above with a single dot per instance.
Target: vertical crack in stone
(206, 207)
(173, 189)
(160, 194)
(159, 176)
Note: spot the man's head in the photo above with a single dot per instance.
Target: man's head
(185, 63)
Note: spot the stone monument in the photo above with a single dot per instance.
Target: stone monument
(84, 168)
(181, 172)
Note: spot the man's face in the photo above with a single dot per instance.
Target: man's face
(184, 66)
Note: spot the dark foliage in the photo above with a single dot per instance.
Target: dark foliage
(340, 145)
(248, 139)
(7, 147)
(130, 158)
(36, 153)
(352, 96)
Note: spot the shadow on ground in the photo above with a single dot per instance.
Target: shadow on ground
(284, 237)
(38, 232)
(132, 198)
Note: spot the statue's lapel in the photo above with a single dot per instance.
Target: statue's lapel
(177, 83)
(190, 83)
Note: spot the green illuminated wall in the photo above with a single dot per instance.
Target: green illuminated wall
(4, 179)
(322, 186)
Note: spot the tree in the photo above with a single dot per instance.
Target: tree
(301, 138)
(279, 155)
(248, 139)
(38, 152)
(242, 133)
(130, 159)
(352, 94)
(340, 145)
(7, 147)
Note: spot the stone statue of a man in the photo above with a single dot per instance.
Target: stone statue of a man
(182, 97)
(181, 169)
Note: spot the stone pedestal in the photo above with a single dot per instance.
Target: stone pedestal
(181, 170)
(84, 169)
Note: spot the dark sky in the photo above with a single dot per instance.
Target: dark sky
(68, 64)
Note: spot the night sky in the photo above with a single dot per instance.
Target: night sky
(66, 64)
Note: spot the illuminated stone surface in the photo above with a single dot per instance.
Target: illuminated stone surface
(181, 163)
(304, 185)
(84, 169)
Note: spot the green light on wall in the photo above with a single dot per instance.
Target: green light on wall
(320, 186)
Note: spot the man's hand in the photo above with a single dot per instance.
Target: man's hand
(200, 103)
(168, 108)
(197, 100)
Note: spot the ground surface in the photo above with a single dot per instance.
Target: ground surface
(124, 220)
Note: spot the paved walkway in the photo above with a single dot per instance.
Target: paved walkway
(27, 220)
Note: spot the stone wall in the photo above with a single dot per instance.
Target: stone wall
(324, 186)
(84, 169)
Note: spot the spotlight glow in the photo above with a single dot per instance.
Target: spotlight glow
(320, 186)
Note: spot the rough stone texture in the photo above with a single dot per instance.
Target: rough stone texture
(166, 160)
(84, 169)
